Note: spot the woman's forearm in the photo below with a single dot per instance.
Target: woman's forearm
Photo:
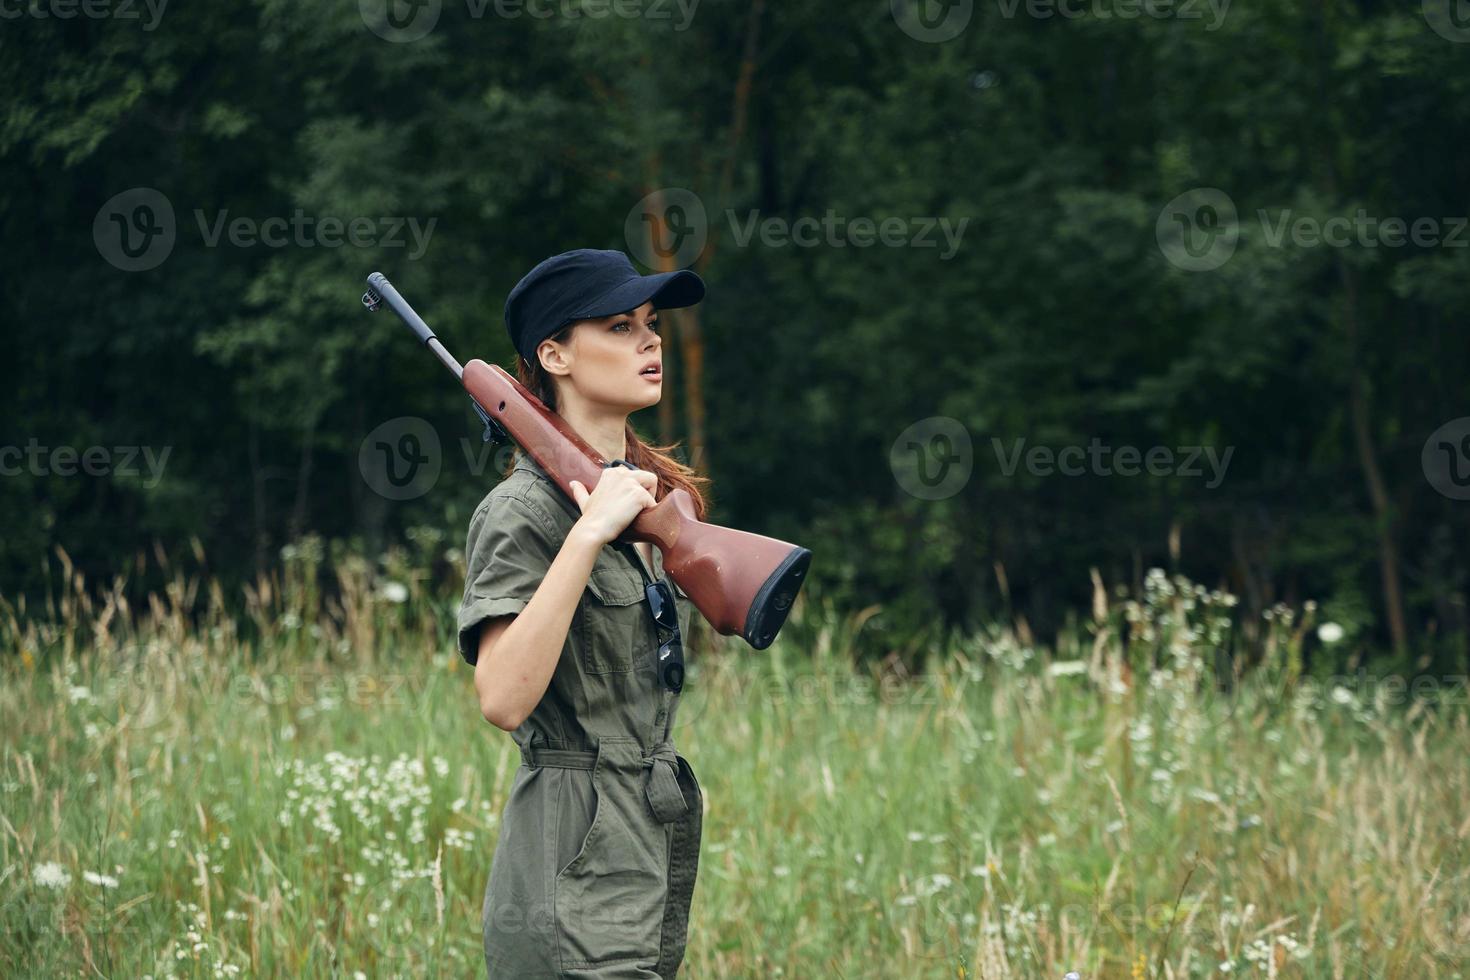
(516, 660)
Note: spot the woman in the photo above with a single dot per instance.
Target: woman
(599, 840)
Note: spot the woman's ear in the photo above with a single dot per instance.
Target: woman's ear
(553, 357)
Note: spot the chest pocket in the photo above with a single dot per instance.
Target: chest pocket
(616, 633)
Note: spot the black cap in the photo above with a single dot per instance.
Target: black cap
(586, 283)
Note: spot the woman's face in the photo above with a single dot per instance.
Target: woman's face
(605, 359)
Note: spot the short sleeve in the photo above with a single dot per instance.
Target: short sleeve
(507, 552)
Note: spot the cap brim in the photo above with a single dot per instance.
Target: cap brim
(668, 290)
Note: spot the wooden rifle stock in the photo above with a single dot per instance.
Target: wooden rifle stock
(743, 583)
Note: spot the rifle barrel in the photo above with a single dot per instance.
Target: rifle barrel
(379, 286)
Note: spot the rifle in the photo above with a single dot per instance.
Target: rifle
(741, 582)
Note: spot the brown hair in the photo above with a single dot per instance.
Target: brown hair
(671, 473)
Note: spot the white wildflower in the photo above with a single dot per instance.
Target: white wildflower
(930, 884)
(51, 875)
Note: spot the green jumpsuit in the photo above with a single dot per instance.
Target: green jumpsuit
(594, 869)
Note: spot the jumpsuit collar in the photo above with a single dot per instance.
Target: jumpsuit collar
(526, 462)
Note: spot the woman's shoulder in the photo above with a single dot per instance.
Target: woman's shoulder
(525, 497)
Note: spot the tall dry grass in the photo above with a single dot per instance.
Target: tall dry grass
(295, 781)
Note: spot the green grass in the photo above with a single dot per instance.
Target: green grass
(323, 800)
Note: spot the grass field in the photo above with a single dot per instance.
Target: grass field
(322, 800)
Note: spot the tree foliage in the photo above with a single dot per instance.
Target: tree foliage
(1058, 320)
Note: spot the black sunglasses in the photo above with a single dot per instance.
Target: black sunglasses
(670, 662)
(665, 615)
